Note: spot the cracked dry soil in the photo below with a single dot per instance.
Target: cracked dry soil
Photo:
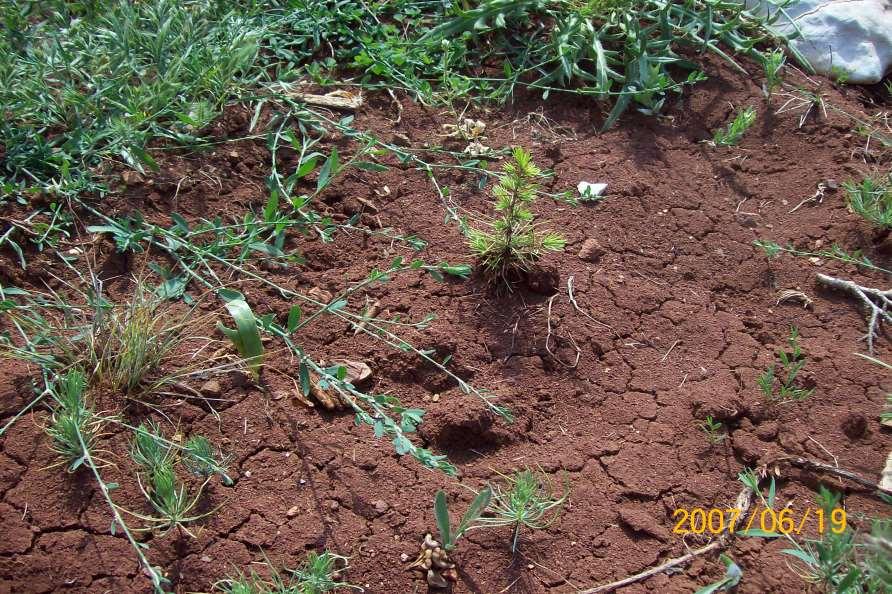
(683, 317)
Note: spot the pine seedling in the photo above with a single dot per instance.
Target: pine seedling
(872, 200)
(512, 242)
(528, 499)
(200, 459)
(318, 574)
(783, 388)
(733, 134)
(773, 64)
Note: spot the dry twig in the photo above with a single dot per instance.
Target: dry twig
(743, 503)
(877, 302)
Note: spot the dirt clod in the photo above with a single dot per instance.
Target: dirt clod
(591, 251)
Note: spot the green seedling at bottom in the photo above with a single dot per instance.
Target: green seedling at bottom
(448, 534)
(783, 388)
(733, 574)
(713, 430)
(246, 335)
(733, 134)
(320, 573)
(527, 498)
(171, 501)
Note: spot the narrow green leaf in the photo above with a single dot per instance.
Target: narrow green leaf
(475, 510)
(441, 511)
(294, 317)
(304, 379)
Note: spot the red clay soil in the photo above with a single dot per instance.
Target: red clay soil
(687, 318)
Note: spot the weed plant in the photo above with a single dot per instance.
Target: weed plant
(713, 430)
(783, 388)
(619, 50)
(120, 346)
(318, 574)
(449, 535)
(512, 243)
(733, 134)
(73, 426)
(871, 199)
(834, 252)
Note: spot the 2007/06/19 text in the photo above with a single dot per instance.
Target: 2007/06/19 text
(786, 521)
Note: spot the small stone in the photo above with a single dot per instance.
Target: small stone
(380, 506)
(205, 558)
(746, 220)
(292, 512)
(211, 388)
(247, 474)
(130, 178)
(832, 184)
(333, 506)
(404, 557)
(435, 398)
(591, 251)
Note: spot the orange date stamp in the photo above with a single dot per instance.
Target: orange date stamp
(765, 520)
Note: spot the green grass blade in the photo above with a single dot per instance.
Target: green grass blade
(441, 511)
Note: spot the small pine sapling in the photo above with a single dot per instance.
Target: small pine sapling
(512, 243)
(527, 498)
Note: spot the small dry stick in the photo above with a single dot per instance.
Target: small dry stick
(578, 309)
(817, 197)
(744, 500)
(877, 302)
(370, 313)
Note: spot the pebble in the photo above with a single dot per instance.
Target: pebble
(404, 557)
(211, 388)
(292, 512)
(205, 558)
(380, 506)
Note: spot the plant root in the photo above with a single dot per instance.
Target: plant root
(435, 562)
(876, 301)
